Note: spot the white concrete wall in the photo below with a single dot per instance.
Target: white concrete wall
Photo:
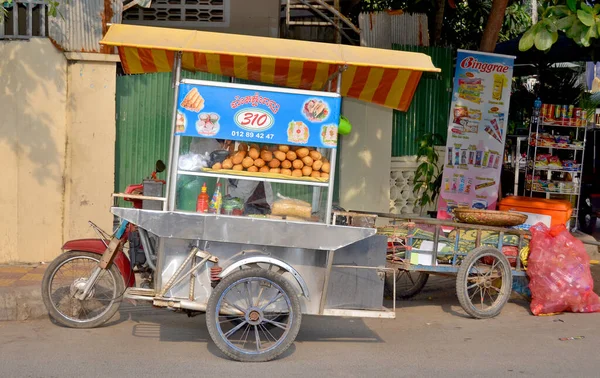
(33, 96)
(365, 157)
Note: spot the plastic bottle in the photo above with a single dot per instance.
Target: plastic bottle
(537, 104)
(216, 202)
(202, 203)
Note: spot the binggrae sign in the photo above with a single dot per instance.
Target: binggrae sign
(476, 131)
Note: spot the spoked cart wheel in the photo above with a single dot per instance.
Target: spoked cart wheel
(253, 315)
(66, 276)
(484, 282)
(408, 284)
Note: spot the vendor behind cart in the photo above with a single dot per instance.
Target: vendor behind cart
(256, 195)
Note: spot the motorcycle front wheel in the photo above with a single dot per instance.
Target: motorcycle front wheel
(66, 276)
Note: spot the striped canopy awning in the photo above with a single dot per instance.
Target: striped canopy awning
(384, 77)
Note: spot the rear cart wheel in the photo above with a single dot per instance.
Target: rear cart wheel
(484, 282)
(408, 284)
(66, 276)
(253, 315)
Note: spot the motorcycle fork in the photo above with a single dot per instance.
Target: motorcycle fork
(114, 246)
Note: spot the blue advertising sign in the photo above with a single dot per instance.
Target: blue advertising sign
(257, 114)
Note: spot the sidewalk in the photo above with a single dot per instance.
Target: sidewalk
(20, 292)
(21, 299)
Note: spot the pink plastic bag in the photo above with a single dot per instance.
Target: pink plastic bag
(559, 273)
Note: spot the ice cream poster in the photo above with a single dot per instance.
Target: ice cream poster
(257, 114)
(476, 132)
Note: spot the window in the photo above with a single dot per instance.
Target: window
(181, 14)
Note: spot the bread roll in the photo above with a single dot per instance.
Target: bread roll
(297, 173)
(306, 171)
(267, 156)
(217, 166)
(324, 175)
(227, 164)
(291, 155)
(253, 169)
(248, 162)
(297, 164)
(286, 164)
(279, 155)
(307, 160)
(284, 148)
(243, 147)
(325, 168)
(254, 153)
(287, 172)
(317, 165)
(264, 169)
(238, 167)
(315, 155)
(238, 158)
(315, 174)
(259, 163)
(275, 170)
(302, 152)
(274, 163)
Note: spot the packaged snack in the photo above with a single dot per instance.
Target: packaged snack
(554, 162)
(497, 162)
(486, 158)
(457, 158)
(291, 207)
(468, 187)
(471, 157)
(463, 158)
(461, 186)
(478, 156)
(492, 160)
(460, 112)
(450, 156)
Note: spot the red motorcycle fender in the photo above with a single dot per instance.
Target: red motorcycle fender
(97, 246)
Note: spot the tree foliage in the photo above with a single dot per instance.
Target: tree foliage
(7, 4)
(579, 20)
(464, 21)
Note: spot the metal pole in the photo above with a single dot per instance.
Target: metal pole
(332, 161)
(170, 191)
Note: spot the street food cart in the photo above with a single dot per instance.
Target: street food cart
(254, 277)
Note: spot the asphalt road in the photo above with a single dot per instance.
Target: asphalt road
(430, 337)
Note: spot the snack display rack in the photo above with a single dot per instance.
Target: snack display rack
(555, 155)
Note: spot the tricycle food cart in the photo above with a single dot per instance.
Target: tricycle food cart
(253, 277)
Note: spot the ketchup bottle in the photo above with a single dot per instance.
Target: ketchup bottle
(202, 203)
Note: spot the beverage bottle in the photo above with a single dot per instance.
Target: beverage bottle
(537, 104)
(202, 204)
(216, 202)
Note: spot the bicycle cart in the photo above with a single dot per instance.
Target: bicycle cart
(483, 258)
(253, 276)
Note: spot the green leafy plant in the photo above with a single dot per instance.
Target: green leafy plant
(428, 176)
(579, 20)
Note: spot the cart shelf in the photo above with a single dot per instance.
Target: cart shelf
(566, 170)
(235, 176)
(571, 147)
(561, 125)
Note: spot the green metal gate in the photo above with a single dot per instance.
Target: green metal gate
(430, 107)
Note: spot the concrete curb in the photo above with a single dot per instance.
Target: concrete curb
(21, 303)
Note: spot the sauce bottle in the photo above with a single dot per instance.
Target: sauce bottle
(202, 204)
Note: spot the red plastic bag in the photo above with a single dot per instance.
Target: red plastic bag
(559, 273)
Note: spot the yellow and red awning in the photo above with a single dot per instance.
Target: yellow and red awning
(384, 77)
